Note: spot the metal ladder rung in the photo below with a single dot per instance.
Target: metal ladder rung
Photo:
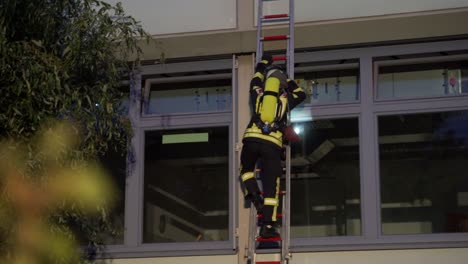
(280, 58)
(273, 38)
(267, 262)
(259, 169)
(262, 239)
(261, 215)
(275, 18)
(280, 192)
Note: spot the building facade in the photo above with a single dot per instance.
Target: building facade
(379, 174)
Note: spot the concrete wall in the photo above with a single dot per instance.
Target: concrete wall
(391, 28)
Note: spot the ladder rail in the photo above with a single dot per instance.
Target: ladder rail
(289, 64)
(259, 53)
(287, 208)
(291, 41)
(252, 236)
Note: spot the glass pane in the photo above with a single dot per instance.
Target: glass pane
(327, 85)
(186, 196)
(424, 184)
(423, 80)
(325, 185)
(189, 97)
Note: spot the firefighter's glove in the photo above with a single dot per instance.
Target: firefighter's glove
(266, 61)
(292, 85)
(256, 83)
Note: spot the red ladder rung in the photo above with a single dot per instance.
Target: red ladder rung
(280, 192)
(275, 16)
(261, 215)
(278, 37)
(262, 239)
(280, 58)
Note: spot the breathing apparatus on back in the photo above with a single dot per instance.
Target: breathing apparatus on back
(272, 106)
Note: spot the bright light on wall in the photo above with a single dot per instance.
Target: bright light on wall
(298, 129)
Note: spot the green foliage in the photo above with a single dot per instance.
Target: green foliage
(26, 204)
(65, 59)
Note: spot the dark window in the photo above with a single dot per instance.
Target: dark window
(186, 195)
(424, 183)
(325, 185)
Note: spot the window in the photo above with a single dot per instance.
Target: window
(413, 78)
(424, 185)
(186, 185)
(329, 82)
(173, 96)
(367, 174)
(325, 192)
(183, 175)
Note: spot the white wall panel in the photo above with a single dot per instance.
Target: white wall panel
(320, 10)
(181, 16)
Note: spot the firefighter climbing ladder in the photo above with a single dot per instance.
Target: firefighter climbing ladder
(265, 251)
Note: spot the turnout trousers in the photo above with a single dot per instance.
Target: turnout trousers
(270, 172)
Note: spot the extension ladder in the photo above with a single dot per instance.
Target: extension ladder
(274, 250)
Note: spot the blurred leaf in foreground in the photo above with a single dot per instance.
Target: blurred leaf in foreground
(27, 201)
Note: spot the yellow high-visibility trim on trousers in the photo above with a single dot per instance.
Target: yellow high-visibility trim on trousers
(271, 202)
(248, 175)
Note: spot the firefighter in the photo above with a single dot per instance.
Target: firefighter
(272, 94)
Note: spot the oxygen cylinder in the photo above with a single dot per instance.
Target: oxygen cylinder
(270, 100)
(275, 81)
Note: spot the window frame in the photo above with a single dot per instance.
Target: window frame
(329, 67)
(368, 109)
(133, 237)
(185, 246)
(447, 238)
(403, 62)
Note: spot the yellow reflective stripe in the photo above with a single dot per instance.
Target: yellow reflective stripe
(254, 129)
(265, 137)
(247, 175)
(259, 75)
(284, 104)
(256, 87)
(275, 209)
(271, 201)
(298, 89)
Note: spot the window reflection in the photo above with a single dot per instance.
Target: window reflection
(423, 80)
(186, 196)
(325, 186)
(424, 185)
(189, 97)
(325, 84)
